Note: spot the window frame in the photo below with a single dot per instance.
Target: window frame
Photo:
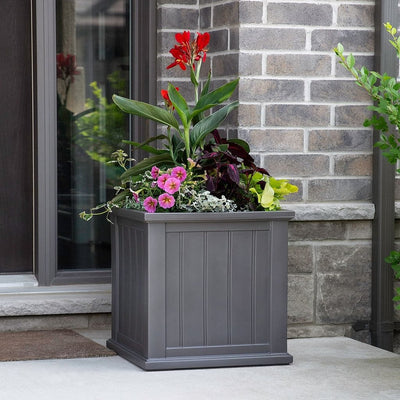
(143, 31)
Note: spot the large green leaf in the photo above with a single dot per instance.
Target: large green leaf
(179, 103)
(145, 110)
(215, 97)
(208, 124)
(144, 145)
(144, 165)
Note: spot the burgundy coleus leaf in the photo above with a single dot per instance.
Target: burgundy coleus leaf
(233, 173)
(211, 184)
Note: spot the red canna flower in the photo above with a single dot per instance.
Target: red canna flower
(165, 95)
(66, 67)
(201, 43)
(186, 52)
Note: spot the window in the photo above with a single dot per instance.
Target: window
(84, 53)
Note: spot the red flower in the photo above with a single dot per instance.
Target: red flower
(186, 52)
(66, 67)
(164, 94)
(201, 43)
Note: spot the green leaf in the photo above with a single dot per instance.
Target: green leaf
(147, 111)
(144, 165)
(350, 60)
(208, 124)
(179, 102)
(206, 85)
(215, 97)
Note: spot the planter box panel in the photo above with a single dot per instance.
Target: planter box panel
(200, 293)
(132, 293)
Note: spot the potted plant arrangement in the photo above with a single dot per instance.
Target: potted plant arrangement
(199, 268)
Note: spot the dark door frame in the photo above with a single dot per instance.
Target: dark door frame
(143, 42)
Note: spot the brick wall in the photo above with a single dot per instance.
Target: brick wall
(303, 117)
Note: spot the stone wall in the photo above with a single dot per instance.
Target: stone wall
(303, 117)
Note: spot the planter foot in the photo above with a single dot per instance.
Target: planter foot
(209, 361)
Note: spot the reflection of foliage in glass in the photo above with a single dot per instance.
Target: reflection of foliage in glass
(102, 126)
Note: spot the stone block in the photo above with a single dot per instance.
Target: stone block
(255, 38)
(356, 15)
(251, 12)
(296, 165)
(346, 258)
(250, 64)
(337, 91)
(179, 2)
(300, 258)
(366, 61)
(353, 165)
(271, 90)
(225, 65)
(350, 116)
(299, 14)
(300, 298)
(396, 342)
(205, 18)
(272, 140)
(181, 19)
(309, 331)
(234, 38)
(10, 324)
(226, 14)
(99, 321)
(352, 40)
(343, 298)
(340, 189)
(359, 230)
(249, 114)
(334, 140)
(298, 65)
(297, 115)
(317, 230)
(219, 40)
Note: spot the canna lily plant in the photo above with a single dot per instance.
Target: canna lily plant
(219, 174)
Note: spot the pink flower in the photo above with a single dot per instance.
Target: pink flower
(179, 173)
(150, 204)
(162, 179)
(134, 195)
(155, 172)
(166, 200)
(172, 185)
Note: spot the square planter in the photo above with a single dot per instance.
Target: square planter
(200, 289)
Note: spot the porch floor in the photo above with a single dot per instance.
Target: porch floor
(323, 368)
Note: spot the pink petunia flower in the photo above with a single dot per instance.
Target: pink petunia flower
(134, 195)
(150, 204)
(172, 185)
(162, 179)
(166, 200)
(155, 172)
(179, 173)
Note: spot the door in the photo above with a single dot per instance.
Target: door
(16, 138)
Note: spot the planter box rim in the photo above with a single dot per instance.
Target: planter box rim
(204, 217)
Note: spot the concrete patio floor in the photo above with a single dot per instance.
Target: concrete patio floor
(323, 368)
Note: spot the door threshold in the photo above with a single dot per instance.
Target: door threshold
(11, 281)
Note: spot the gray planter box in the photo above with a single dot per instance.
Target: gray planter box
(200, 289)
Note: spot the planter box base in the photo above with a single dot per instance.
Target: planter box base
(211, 361)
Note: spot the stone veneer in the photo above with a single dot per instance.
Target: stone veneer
(303, 117)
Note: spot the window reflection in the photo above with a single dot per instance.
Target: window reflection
(92, 64)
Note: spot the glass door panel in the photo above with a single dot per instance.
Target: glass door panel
(92, 65)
